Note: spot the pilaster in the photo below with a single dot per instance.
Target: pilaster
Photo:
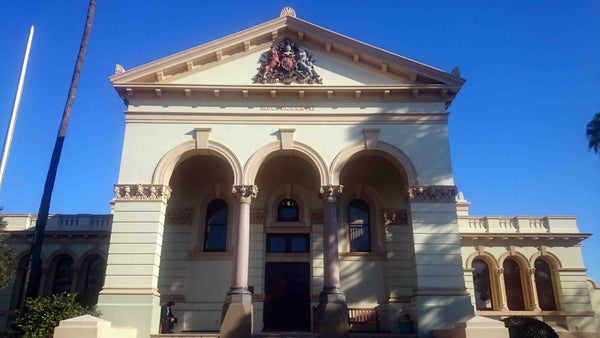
(440, 298)
(130, 295)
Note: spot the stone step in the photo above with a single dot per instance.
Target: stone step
(283, 335)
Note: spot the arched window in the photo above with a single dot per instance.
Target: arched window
(215, 235)
(94, 280)
(483, 289)
(19, 284)
(544, 285)
(287, 211)
(63, 275)
(512, 283)
(358, 224)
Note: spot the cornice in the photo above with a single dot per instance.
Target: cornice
(283, 117)
(578, 237)
(259, 37)
(358, 93)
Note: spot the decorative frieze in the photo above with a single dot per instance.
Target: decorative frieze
(257, 216)
(330, 193)
(395, 217)
(316, 216)
(244, 193)
(433, 193)
(142, 192)
(180, 216)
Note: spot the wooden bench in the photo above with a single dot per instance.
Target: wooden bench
(361, 318)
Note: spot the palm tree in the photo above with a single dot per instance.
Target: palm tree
(592, 131)
(34, 269)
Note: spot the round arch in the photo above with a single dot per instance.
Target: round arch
(166, 165)
(485, 256)
(548, 257)
(305, 151)
(397, 157)
(517, 257)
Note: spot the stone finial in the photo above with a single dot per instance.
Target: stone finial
(287, 11)
(119, 69)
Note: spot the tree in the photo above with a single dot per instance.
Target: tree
(42, 314)
(592, 132)
(34, 271)
(8, 265)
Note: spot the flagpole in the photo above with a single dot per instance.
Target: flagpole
(15, 110)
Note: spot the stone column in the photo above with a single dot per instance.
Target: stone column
(236, 319)
(534, 296)
(130, 295)
(503, 301)
(332, 311)
(440, 298)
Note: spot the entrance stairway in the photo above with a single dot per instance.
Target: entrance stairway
(284, 335)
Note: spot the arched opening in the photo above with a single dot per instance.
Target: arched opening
(483, 286)
(63, 275)
(513, 285)
(288, 186)
(544, 285)
(93, 280)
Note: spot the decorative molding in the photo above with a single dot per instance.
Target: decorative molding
(286, 136)
(395, 217)
(330, 193)
(286, 62)
(316, 216)
(257, 216)
(531, 271)
(499, 271)
(142, 192)
(180, 216)
(174, 298)
(202, 135)
(433, 193)
(371, 138)
(244, 193)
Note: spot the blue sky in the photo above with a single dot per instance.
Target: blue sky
(517, 128)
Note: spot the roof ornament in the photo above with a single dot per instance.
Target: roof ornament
(119, 69)
(287, 11)
(455, 71)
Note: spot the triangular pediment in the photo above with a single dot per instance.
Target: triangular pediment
(236, 60)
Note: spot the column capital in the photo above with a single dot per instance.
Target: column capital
(531, 271)
(432, 193)
(244, 193)
(142, 192)
(330, 193)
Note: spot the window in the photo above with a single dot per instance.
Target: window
(544, 286)
(287, 211)
(291, 243)
(358, 224)
(63, 276)
(481, 281)
(215, 236)
(512, 283)
(94, 280)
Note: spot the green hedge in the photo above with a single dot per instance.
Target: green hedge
(41, 315)
(525, 327)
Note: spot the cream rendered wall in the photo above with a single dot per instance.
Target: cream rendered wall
(426, 145)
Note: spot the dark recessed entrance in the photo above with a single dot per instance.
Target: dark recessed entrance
(287, 297)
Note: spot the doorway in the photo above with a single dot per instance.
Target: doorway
(287, 297)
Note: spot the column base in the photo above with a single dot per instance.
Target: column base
(236, 318)
(333, 314)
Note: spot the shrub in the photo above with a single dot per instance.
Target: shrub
(41, 315)
(525, 327)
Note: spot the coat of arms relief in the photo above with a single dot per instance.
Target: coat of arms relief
(286, 62)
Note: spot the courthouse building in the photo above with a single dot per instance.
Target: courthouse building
(274, 178)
